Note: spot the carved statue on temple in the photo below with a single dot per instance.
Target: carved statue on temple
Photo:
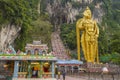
(89, 38)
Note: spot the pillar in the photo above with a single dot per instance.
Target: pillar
(29, 69)
(58, 68)
(65, 68)
(21, 67)
(78, 69)
(41, 69)
(53, 69)
(16, 68)
(72, 69)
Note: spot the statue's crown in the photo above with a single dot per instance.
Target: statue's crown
(87, 8)
(87, 12)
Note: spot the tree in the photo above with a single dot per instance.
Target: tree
(19, 13)
(42, 31)
(68, 35)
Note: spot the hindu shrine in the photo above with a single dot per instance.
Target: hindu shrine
(36, 62)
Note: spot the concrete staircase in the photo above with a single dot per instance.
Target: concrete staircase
(58, 48)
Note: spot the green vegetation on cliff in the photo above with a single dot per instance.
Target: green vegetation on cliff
(17, 12)
(24, 13)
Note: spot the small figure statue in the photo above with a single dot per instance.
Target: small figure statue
(29, 52)
(34, 72)
(18, 52)
(89, 37)
(46, 67)
(10, 50)
(36, 52)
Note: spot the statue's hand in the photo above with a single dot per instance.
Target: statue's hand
(97, 36)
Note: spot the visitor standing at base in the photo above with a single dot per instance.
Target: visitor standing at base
(63, 74)
(58, 75)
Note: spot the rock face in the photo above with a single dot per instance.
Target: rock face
(59, 11)
(83, 1)
(71, 12)
(98, 12)
(8, 34)
(66, 11)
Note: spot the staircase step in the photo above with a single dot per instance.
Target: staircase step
(58, 47)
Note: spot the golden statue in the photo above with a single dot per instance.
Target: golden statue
(89, 37)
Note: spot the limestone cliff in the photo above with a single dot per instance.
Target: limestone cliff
(8, 34)
(65, 11)
(59, 12)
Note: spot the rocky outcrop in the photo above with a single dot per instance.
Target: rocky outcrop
(66, 12)
(83, 1)
(8, 34)
(98, 12)
(71, 12)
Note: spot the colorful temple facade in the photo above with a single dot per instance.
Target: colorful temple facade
(35, 63)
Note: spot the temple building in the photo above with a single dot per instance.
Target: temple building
(36, 62)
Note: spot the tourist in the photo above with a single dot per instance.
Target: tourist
(105, 70)
(58, 75)
(63, 74)
(36, 52)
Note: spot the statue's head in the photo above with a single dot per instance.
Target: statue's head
(87, 13)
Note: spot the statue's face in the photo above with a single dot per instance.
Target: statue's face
(87, 14)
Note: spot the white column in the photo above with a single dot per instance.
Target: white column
(53, 70)
(16, 68)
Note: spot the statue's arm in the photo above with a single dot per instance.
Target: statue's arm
(79, 24)
(97, 29)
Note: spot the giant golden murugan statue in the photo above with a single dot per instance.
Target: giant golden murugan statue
(89, 37)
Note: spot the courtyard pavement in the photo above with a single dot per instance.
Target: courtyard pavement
(67, 78)
(72, 78)
(75, 77)
(34, 79)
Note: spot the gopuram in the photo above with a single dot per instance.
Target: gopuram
(89, 38)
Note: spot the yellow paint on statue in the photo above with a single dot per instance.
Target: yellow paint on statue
(89, 37)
